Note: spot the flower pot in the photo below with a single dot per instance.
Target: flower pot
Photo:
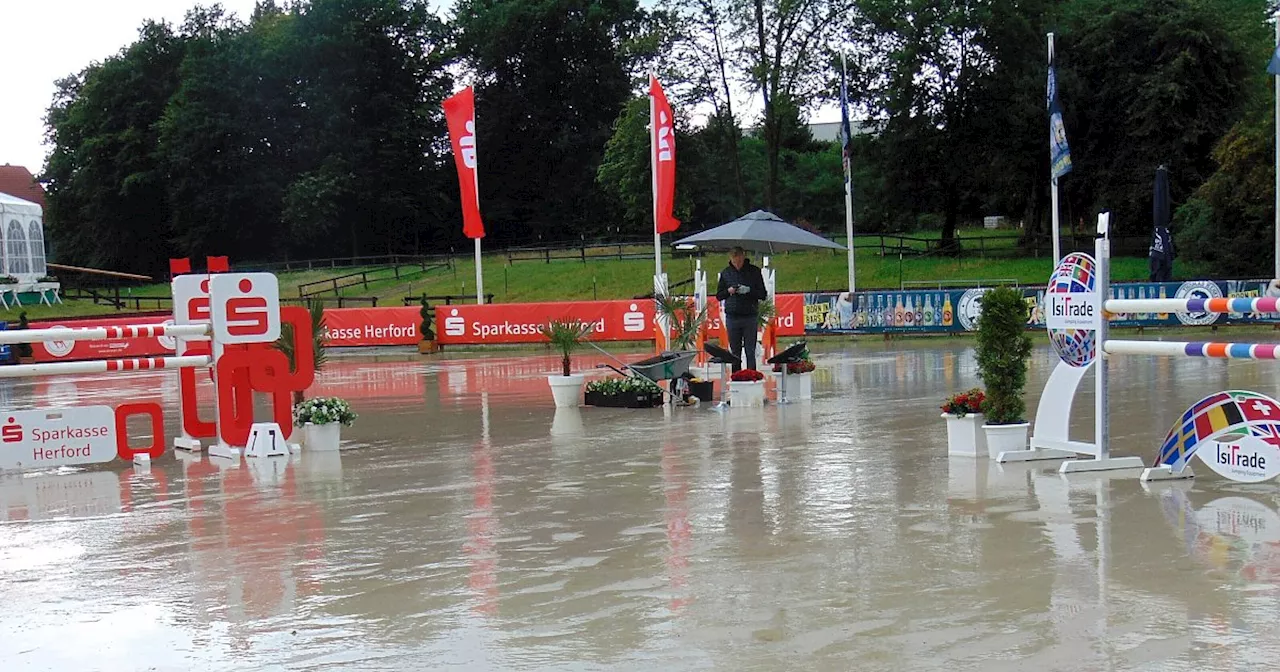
(567, 390)
(299, 435)
(746, 393)
(324, 437)
(799, 385)
(428, 347)
(965, 436)
(1006, 438)
(704, 391)
(624, 399)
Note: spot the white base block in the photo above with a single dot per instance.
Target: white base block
(1106, 464)
(142, 459)
(1166, 473)
(187, 443)
(220, 449)
(266, 439)
(295, 448)
(1035, 454)
(746, 394)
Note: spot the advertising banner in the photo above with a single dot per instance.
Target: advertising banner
(351, 327)
(519, 322)
(957, 310)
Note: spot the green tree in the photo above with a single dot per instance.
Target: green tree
(551, 78)
(107, 192)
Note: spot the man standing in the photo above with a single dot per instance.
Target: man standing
(740, 291)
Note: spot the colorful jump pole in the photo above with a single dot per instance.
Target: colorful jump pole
(126, 332)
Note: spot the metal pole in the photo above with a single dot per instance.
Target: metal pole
(479, 276)
(1102, 252)
(653, 182)
(1053, 190)
(1276, 79)
(848, 196)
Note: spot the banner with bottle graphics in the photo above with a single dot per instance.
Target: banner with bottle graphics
(957, 310)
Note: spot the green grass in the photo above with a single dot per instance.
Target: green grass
(603, 277)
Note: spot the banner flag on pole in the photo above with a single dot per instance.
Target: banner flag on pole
(664, 159)
(846, 136)
(1059, 153)
(460, 113)
(1273, 68)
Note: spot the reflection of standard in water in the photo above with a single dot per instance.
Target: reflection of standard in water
(469, 523)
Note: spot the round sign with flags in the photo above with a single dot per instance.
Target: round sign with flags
(1072, 309)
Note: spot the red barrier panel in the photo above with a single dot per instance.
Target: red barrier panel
(373, 326)
(620, 320)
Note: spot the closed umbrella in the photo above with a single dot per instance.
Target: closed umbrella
(1161, 251)
(758, 231)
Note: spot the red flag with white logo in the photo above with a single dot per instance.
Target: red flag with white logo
(460, 113)
(663, 159)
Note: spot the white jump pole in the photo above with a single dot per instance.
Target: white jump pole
(104, 366)
(102, 333)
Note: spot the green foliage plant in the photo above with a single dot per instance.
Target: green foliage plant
(1003, 350)
(566, 336)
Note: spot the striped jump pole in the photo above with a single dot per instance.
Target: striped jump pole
(120, 333)
(104, 366)
(1079, 297)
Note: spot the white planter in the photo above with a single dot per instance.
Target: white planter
(1006, 438)
(965, 436)
(299, 435)
(799, 385)
(324, 437)
(746, 394)
(567, 390)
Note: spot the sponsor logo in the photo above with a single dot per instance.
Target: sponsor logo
(1198, 289)
(633, 319)
(1249, 459)
(454, 325)
(11, 432)
(969, 308)
(59, 348)
(1077, 310)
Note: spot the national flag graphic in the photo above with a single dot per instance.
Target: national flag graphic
(663, 159)
(1273, 68)
(1259, 410)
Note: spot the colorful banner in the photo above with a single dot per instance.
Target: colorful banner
(663, 160)
(957, 310)
(519, 322)
(460, 115)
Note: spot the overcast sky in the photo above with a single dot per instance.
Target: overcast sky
(48, 40)
(45, 41)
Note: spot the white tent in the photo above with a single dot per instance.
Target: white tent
(21, 239)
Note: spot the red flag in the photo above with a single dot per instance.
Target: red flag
(664, 160)
(460, 113)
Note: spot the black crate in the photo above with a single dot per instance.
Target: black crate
(704, 391)
(626, 400)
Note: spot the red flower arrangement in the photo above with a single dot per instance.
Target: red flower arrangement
(965, 403)
(802, 366)
(746, 376)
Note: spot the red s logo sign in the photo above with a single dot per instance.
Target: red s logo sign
(247, 315)
(11, 433)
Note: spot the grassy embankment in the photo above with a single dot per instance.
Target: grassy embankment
(610, 278)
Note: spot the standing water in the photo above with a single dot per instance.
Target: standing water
(469, 524)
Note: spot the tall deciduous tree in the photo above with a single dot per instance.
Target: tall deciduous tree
(551, 77)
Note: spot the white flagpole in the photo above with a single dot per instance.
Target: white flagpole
(848, 185)
(1277, 131)
(476, 179)
(1053, 182)
(653, 173)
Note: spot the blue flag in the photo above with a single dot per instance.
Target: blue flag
(1059, 153)
(1274, 66)
(846, 137)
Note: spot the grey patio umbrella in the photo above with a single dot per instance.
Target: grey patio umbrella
(759, 231)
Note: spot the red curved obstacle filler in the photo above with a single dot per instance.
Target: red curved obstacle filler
(152, 410)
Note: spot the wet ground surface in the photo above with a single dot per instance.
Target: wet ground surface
(468, 524)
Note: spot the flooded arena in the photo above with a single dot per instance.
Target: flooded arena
(468, 524)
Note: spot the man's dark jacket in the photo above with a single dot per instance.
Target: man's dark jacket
(739, 305)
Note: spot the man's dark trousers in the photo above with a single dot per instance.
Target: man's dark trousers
(742, 336)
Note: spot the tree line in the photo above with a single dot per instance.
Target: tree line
(313, 128)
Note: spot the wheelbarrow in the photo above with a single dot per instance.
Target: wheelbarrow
(666, 366)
